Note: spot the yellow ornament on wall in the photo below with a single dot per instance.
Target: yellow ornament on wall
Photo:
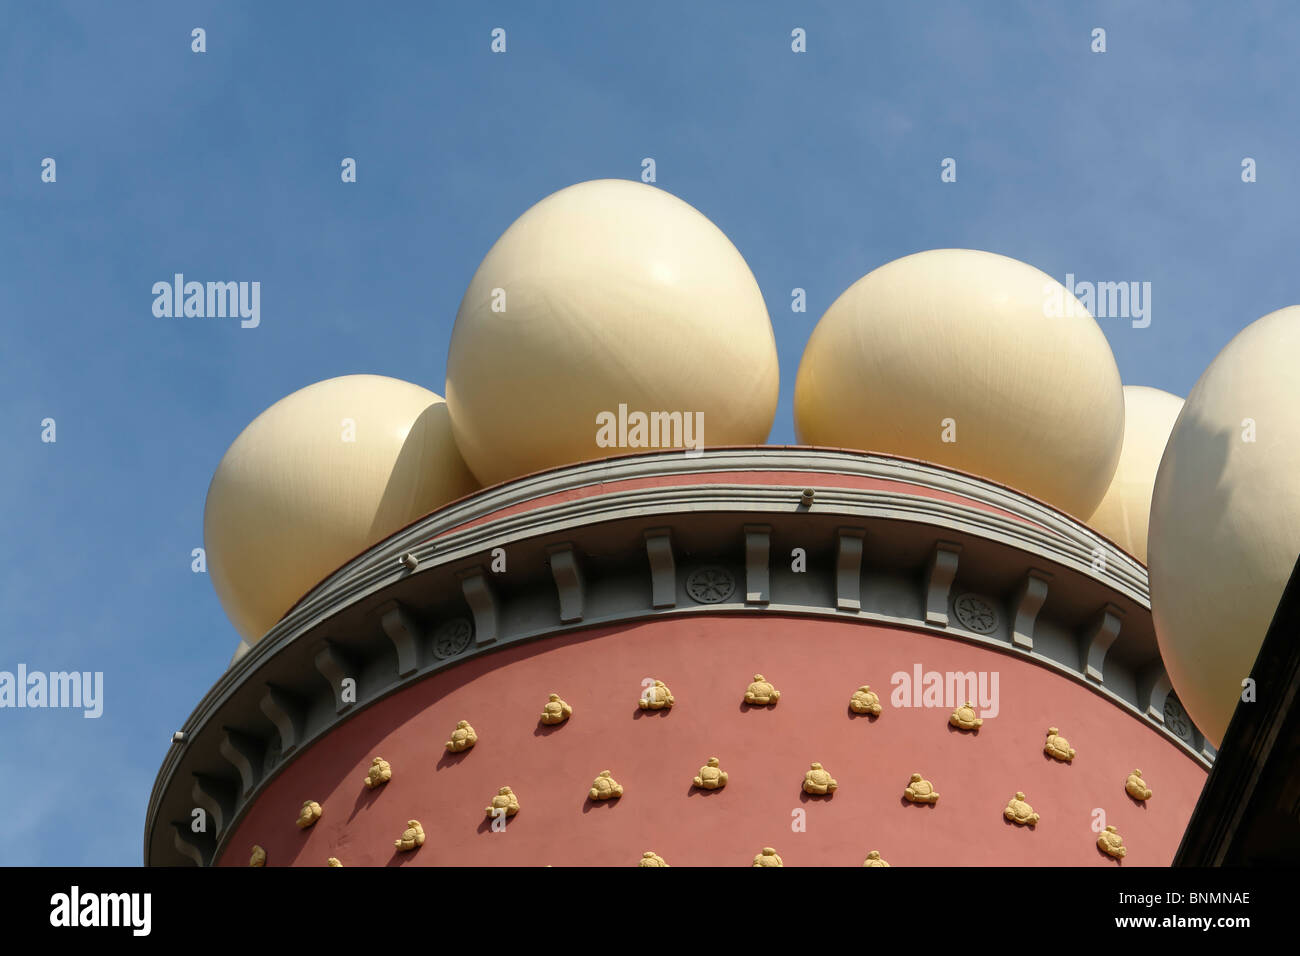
(1111, 843)
(656, 697)
(309, 814)
(412, 836)
(1020, 812)
(462, 738)
(555, 710)
(380, 773)
(818, 782)
(605, 787)
(963, 718)
(920, 790)
(761, 692)
(504, 803)
(1057, 746)
(865, 701)
(768, 857)
(711, 777)
(1136, 787)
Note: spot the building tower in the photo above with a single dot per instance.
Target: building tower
(585, 560)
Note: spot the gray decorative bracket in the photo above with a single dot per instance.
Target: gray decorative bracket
(1098, 638)
(569, 582)
(1025, 606)
(183, 840)
(285, 712)
(939, 573)
(245, 754)
(848, 569)
(663, 569)
(758, 538)
(482, 603)
(1154, 688)
(214, 797)
(334, 666)
(405, 633)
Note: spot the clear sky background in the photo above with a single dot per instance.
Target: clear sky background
(1122, 166)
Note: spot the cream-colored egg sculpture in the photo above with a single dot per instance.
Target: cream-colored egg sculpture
(971, 360)
(1149, 416)
(316, 479)
(1225, 517)
(610, 318)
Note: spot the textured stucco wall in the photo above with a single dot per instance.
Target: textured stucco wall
(707, 662)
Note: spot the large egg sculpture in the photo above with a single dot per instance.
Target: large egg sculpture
(1225, 517)
(1149, 416)
(971, 360)
(604, 302)
(316, 479)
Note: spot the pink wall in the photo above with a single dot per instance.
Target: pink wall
(707, 661)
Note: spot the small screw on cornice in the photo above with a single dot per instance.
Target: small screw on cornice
(410, 560)
(806, 499)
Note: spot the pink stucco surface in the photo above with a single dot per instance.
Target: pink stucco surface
(707, 661)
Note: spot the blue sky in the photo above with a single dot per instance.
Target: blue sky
(819, 167)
